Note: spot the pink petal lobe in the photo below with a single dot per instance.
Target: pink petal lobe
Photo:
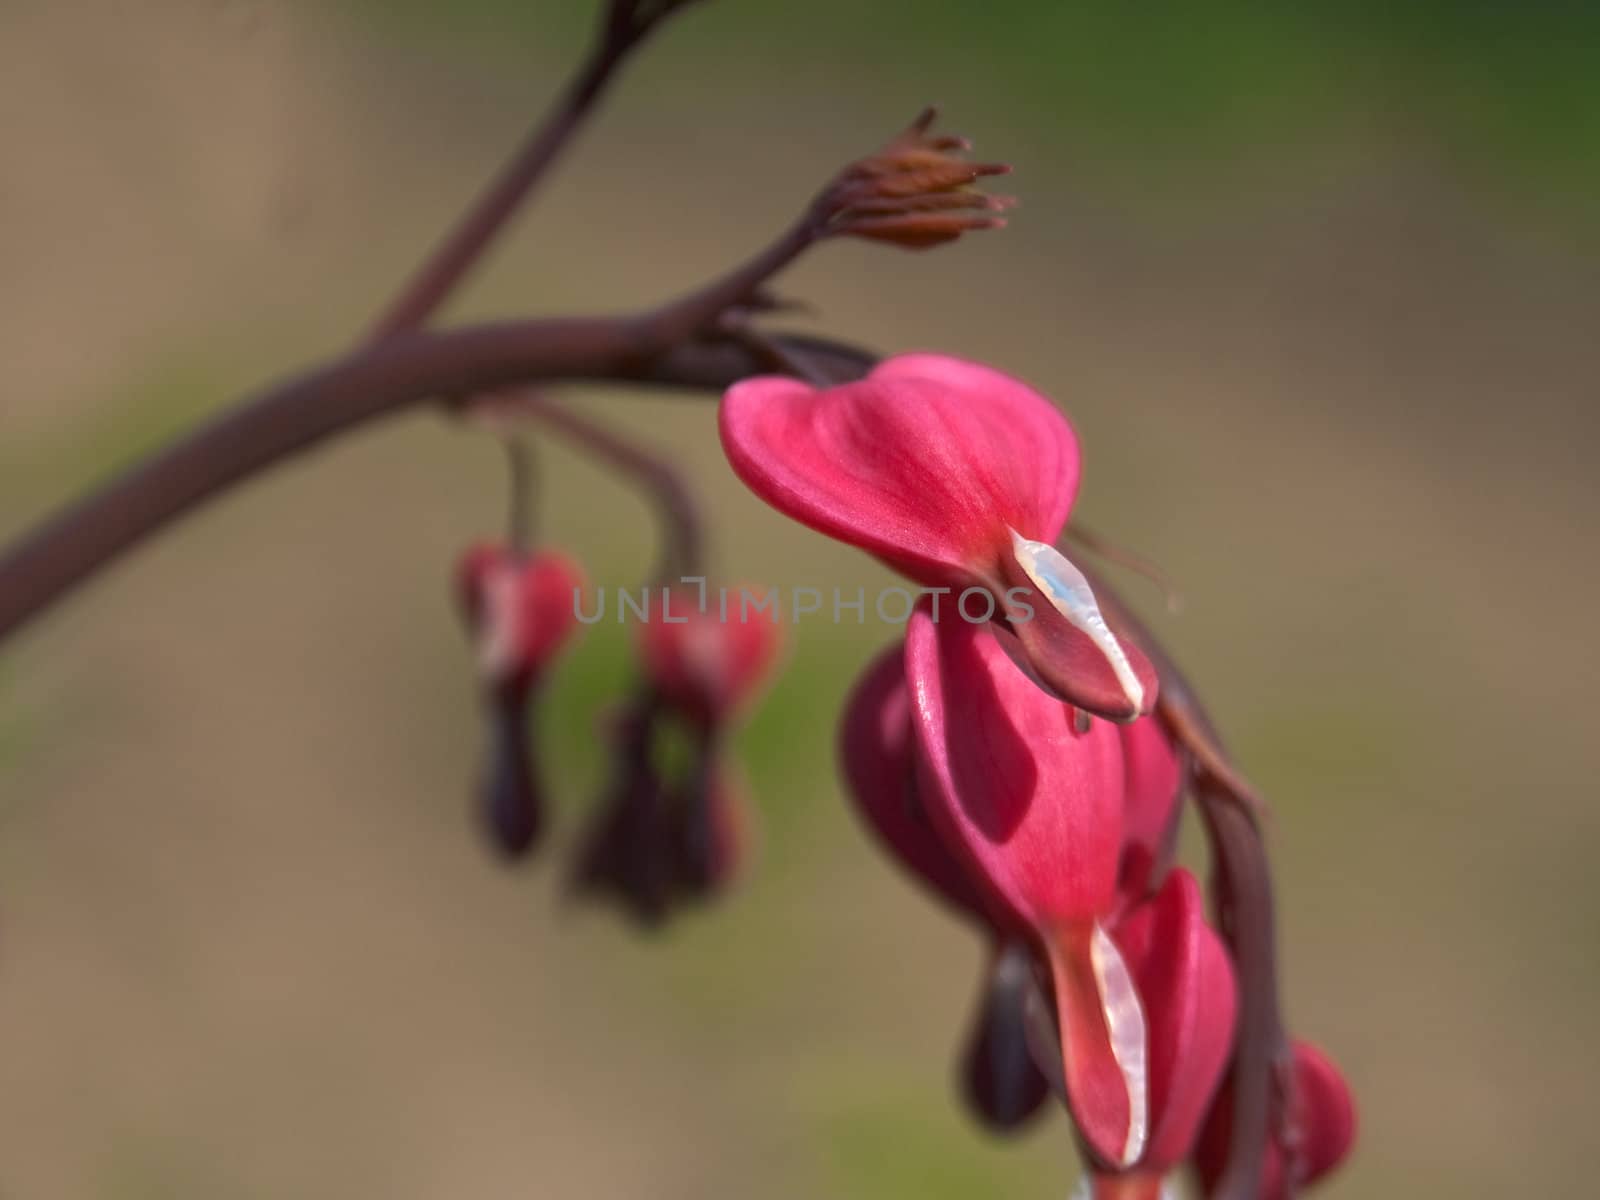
(520, 607)
(1186, 983)
(1153, 775)
(925, 463)
(877, 752)
(706, 665)
(1031, 806)
(549, 582)
(1321, 1119)
(1326, 1113)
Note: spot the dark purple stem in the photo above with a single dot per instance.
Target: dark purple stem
(683, 540)
(624, 26)
(291, 416)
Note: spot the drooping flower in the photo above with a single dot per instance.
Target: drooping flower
(676, 824)
(878, 757)
(1185, 982)
(999, 1079)
(877, 749)
(1320, 1125)
(1185, 985)
(626, 851)
(961, 478)
(1031, 803)
(708, 665)
(519, 610)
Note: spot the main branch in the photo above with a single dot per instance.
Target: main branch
(897, 195)
(291, 416)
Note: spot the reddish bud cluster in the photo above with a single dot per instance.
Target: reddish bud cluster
(915, 192)
(675, 825)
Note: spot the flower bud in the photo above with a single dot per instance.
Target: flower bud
(915, 192)
(519, 608)
(999, 1080)
(520, 611)
(628, 851)
(1314, 1134)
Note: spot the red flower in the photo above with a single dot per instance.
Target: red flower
(958, 476)
(706, 664)
(676, 824)
(519, 608)
(1185, 983)
(1150, 809)
(1320, 1125)
(999, 1080)
(878, 755)
(1032, 805)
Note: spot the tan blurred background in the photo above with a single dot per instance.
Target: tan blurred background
(1320, 295)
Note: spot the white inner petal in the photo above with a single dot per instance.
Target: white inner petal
(1070, 595)
(1119, 1000)
(500, 640)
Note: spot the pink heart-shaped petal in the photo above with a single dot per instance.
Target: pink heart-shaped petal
(1032, 806)
(877, 751)
(926, 463)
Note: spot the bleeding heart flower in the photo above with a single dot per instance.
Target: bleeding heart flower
(1151, 809)
(958, 476)
(1185, 986)
(676, 824)
(1320, 1125)
(519, 608)
(714, 826)
(1032, 804)
(878, 756)
(708, 665)
(877, 750)
(628, 851)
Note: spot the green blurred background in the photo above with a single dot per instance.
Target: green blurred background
(1319, 290)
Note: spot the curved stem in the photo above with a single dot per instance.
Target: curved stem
(521, 483)
(1242, 887)
(682, 537)
(268, 427)
(623, 27)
